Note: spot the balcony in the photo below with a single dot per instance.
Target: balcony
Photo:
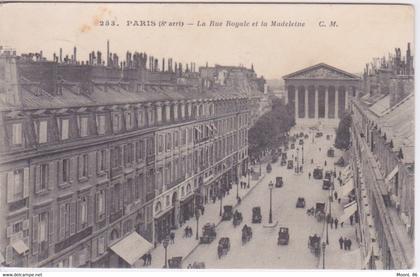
(115, 216)
(73, 239)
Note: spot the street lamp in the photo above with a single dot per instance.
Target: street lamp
(270, 216)
(302, 156)
(197, 217)
(323, 254)
(221, 199)
(165, 245)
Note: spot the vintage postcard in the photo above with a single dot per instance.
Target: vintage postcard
(207, 136)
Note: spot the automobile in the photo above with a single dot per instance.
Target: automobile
(283, 162)
(289, 164)
(223, 247)
(330, 152)
(326, 183)
(256, 215)
(175, 262)
(284, 156)
(301, 142)
(317, 173)
(279, 182)
(300, 203)
(328, 175)
(268, 168)
(283, 238)
(209, 233)
(227, 212)
(319, 134)
(320, 211)
(292, 146)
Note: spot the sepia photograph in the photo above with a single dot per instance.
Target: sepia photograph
(205, 135)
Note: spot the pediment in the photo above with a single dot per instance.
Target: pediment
(321, 71)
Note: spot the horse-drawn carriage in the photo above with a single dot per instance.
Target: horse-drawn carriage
(175, 262)
(227, 212)
(246, 234)
(256, 215)
(237, 218)
(320, 211)
(223, 247)
(314, 244)
(209, 233)
(283, 237)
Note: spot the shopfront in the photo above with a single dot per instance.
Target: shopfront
(187, 208)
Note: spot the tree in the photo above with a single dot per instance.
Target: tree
(342, 138)
(270, 129)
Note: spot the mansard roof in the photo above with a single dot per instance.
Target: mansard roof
(321, 71)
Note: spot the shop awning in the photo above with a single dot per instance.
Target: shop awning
(347, 188)
(349, 210)
(391, 174)
(132, 248)
(19, 246)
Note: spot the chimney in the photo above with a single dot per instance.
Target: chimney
(156, 65)
(99, 58)
(61, 55)
(163, 65)
(74, 54)
(107, 53)
(54, 57)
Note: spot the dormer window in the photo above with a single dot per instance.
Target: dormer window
(116, 122)
(100, 121)
(64, 129)
(129, 120)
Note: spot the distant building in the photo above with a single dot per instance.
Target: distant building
(320, 94)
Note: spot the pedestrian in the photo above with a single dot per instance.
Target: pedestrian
(339, 200)
(202, 209)
(332, 222)
(325, 163)
(345, 243)
(349, 244)
(150, 258)
(312, 161)
(341, 242)
(336, 223)
(351, 220)
(309, 174)
(172, 237)
(144, 258)
(335, 195)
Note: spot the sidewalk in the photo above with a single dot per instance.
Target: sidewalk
(185, 246)
(336, 258)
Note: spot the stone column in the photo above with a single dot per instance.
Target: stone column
(296, 105)
(175, 111)
(306, 102)
(346, 97)
(326, 102)
(316, 102)
(336, 103)
(159, 112)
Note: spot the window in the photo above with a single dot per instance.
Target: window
(184, 136)
(168, 201)
(150, 147)
(158, 207)
(83, 126)
(17, 134)
(116, 157)
(101, 245)
(83, 166)
(100, 121)
(140, 150)
(168, 142)
(15, 183)
(42, 227)
(128, 154)
(115, 198)
(66, 171)
(100, 205)
(129, 120)
(116, 121)
(101, 160)
(151, 116)
(82, 212)
(42, 131)
(175, 139)
(64, 220)
(160, 143)
(140, 119)
(41, 177)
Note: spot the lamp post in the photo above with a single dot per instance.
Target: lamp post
(270, 216)
(302, 156)
(237, 189)
(197, 217)
(249, 177)
(221, 199)
(323, 254)
(165, 245)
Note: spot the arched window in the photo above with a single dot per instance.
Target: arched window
(188, 188)
(168, 201)
(114, 234)
(182, 192)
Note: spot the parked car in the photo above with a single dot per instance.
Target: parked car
(289, 164)
(318, 173)
(326, 184)
(300, 203)
(227, 212)
(283, 238)
(279, 182)
(256, 215)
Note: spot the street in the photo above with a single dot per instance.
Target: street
(262, 251)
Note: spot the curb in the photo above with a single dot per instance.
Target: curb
(220, 221)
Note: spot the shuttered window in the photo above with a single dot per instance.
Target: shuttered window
(17, 133)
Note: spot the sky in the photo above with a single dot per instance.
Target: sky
(361, 33)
